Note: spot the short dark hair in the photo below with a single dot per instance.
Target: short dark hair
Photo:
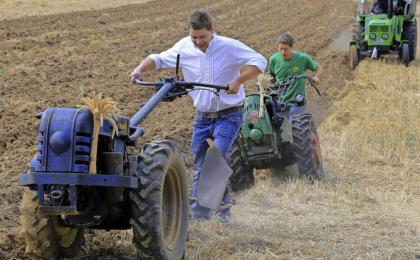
(286, 38)
(200, 19)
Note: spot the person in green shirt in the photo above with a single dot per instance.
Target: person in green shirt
(288, 62)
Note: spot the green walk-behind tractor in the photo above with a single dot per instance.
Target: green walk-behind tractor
(262, 144)
(143, 189)
(390, 29)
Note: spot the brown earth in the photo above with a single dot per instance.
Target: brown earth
(56, 60)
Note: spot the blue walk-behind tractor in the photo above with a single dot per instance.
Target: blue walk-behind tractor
(145, 190)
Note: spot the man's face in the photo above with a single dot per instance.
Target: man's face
(285, 50)
(201, 38)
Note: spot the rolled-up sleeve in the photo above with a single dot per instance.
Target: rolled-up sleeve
(166, 59)
(245, 56)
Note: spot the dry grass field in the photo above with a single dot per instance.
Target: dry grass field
(367, 208)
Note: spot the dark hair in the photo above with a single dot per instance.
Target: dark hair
(200, 19)
(286, 38)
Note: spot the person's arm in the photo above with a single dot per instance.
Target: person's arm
(163, 60)
(318, 72)
(248, 72)
(251, 62)
(146, 65)
(312, 65)
(271, 64)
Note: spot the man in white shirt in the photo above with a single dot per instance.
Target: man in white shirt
(206, 57)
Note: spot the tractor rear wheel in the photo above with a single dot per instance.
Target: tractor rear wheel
(410, 34)
(159, 208)
(353, 56)
(242, 177)
(405, 54)
(306, 147)
(46, 237)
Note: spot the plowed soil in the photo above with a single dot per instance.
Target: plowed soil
(55, 60)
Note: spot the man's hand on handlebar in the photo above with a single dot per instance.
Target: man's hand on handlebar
(316, 80)
(233, 87)
(135, 75)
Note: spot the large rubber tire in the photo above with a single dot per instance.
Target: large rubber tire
(405, 54)
(45, 236)
(306, 147)
(159, 209)
(410, 34)
(242, 177)
(353, 57)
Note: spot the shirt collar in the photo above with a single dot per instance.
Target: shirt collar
(210, 43)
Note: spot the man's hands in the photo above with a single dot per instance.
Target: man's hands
(247, 73)
(319, 70)
(316, 80)
(233, 87)
(146, 65)
(135, 75)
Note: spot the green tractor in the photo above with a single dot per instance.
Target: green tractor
(261, 143)
(390, 29)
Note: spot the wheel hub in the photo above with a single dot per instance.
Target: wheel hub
(171, 209)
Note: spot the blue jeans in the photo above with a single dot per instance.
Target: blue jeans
(223, 130)
(293, 111)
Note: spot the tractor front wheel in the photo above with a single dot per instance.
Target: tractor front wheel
(306, 147)
(353, 56)
(47, 237)
(159, 208)
(410, 34)
(242, 177)
(405, 54)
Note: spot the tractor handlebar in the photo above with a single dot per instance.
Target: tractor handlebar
(290, 81)
(180, 84)
(176, 88)
(167, 90)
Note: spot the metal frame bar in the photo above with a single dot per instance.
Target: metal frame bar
(59, 178)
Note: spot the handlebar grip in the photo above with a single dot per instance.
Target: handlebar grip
(311, 81)
(191, 84)
(137, 81)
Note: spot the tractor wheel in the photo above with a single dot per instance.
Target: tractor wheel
(410, 34)
(242, 177)
(46, 237)
(159, 208)
(359, 32)
(306, 147)
(405, 54)
(353, 57)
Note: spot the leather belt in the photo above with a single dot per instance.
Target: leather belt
(200, 114)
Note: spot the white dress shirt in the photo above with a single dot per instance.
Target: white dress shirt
(219, 64)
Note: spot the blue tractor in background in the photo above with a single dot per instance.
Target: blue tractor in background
(144, 190)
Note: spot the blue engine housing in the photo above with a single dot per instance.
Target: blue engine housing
(64, 146)
(65, 138)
